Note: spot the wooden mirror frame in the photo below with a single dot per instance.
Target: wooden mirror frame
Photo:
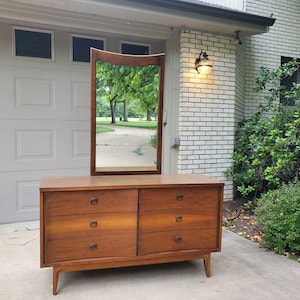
(126, 60)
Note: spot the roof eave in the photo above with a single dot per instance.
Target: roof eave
(151, 18)
(190, 6)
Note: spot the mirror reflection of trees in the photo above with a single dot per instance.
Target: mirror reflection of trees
(126, 91)
(126, 113)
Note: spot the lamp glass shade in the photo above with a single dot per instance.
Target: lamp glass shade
(204, 66)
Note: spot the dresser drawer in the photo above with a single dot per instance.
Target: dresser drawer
(78, 202)
(177, 219)
(177, 240)
(75, 226)
(102, 246)
(205, 198)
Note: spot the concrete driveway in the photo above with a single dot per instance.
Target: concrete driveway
(241, 271)
(125, 146)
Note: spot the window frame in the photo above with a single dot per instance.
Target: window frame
(82, 36)
(135, 44)
(14, 48)
(296, 75)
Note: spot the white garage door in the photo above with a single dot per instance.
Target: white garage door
(44, 123)
(45, 111)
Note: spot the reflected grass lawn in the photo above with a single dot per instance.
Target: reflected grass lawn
(137, 123)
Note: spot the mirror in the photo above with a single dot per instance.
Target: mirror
(126, 113)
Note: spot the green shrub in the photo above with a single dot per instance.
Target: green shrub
(278, 212)
(153, 140)
(267, 148)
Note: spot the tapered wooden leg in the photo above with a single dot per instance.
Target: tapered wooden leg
(56, 273)
(206, 260)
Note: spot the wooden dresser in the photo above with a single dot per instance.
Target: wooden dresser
(98, 222)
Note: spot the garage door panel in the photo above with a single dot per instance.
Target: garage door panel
(34, 93)
(32, 145)
(19, 193)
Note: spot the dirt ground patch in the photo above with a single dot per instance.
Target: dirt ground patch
(241, 220)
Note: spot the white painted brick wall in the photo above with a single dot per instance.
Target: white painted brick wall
(283, 39)
(210, 106)
(207, 107)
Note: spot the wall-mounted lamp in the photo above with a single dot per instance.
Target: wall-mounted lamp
(237, 40)
(203, 64)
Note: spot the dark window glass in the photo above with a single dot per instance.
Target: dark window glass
(288, 82)
(33, 43)
(135, 49)
(81, 48)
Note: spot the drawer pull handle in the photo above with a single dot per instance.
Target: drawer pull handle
(93, 246)
(179, 197)
(94, 201)
(178, 239)
(93, 224)
(178, 219)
